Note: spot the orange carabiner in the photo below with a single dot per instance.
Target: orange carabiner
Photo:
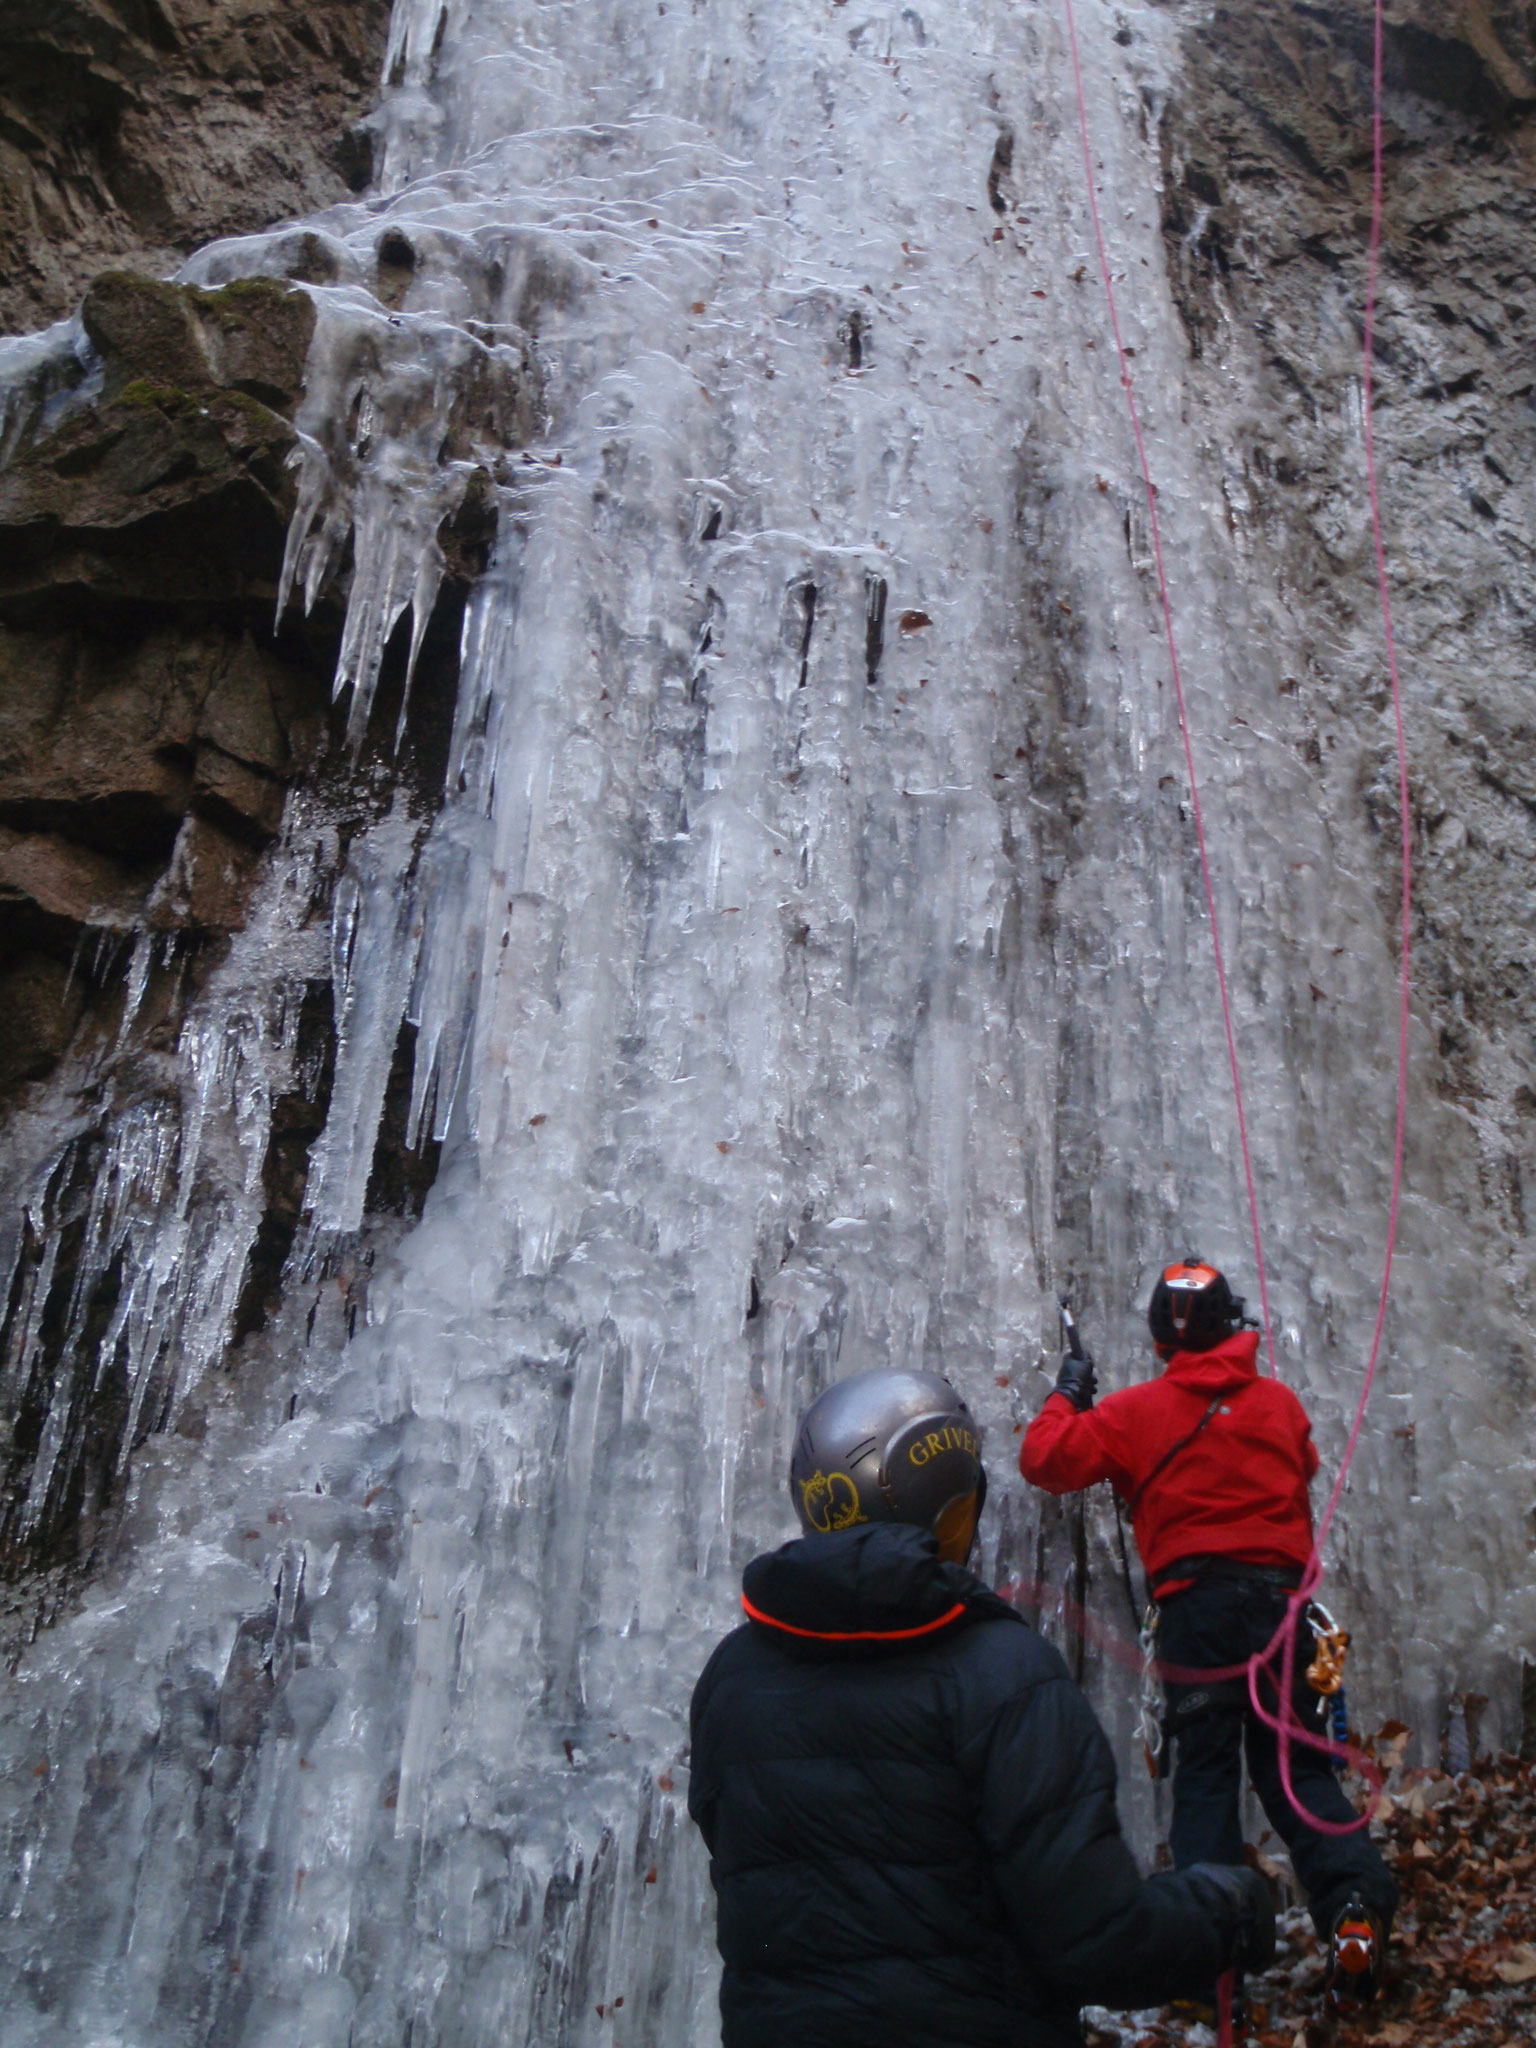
(1325, 1674)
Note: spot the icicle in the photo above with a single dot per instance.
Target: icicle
(451, 890)
(415, 30)
(42, 378)
(144, 944)
(24, 1347)
(378, 922)
(386, 395)
(398, 567)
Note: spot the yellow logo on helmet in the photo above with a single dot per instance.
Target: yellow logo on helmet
(830, 1501)
(951, 1438)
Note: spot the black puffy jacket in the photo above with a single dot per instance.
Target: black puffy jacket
(910, 1812)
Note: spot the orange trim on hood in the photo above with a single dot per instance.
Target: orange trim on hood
(857, 1635)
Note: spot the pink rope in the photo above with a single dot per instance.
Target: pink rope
(1405, 827)
(1178, 683)
(1404, 813)
(1285, 1723)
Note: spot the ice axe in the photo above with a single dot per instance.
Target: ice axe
(1071, 1338)
(1071, 1335)
(1079, 1387)
(1078, 1352)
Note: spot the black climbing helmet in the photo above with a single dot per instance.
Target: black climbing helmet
(1192, 1307)
(886, 1447)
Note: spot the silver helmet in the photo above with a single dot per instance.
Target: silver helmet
(884, 1447)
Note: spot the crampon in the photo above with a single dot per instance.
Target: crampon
(1357, 1951)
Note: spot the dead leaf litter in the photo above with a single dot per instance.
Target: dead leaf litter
(1461, 1968)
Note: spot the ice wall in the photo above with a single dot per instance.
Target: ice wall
(809, 970)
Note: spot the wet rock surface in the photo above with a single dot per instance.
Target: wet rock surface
(134, 134)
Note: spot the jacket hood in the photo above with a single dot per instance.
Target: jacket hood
(1231, 1363)
(881, 1585)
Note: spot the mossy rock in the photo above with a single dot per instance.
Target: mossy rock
(145, 395)
(251, 336)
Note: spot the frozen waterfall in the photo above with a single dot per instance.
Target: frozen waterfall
(808, 968)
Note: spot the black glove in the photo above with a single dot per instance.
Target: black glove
(1078, 1380)
(1244, 1896)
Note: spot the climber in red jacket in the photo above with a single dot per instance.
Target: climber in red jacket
(1214, 1464)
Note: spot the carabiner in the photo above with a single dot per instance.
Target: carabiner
(1325, 1674)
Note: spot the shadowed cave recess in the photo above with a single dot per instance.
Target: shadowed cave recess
(593, 833)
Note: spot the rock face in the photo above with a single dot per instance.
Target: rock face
(136, 133)
(1267, 186)
(148, 725)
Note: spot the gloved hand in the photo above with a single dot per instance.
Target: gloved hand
(1078, 1380)
(1245, 1895)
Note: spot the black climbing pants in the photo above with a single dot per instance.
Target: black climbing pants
(1220, 1621)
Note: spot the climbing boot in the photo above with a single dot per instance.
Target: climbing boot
(1356, 1954)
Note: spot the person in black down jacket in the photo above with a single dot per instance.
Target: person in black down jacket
(909, 1806)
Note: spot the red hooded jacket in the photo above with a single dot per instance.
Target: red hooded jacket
(1238, 1490)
